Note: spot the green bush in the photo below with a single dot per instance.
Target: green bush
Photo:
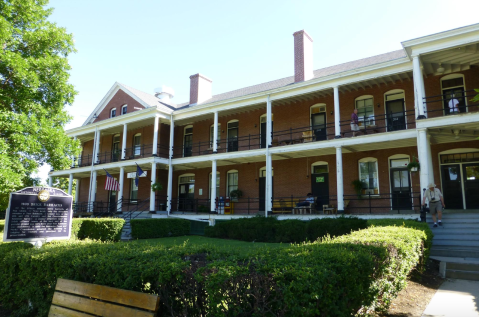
(76, 225)
(423, 226)
(270, 229)
(355, 273)
(159, 228)
(405, 250)
(104, 229)
(2, 225)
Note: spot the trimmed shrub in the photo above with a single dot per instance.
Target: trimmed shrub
(2, 225)
(104, 229)
(76, 225)
(423, 226)
(355, 273)
(404, 247)
(270, 229)
(159, 228)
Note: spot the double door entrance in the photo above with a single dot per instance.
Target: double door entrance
(460, 184)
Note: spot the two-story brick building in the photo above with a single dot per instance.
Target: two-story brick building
(279, 140)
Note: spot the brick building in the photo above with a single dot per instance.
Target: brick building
(279, 140)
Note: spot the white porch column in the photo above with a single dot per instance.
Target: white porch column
(337, 114)
(97, 147)
(123, 144)
(73, 159)
(70, 184)
(339, 178)
(155, 136)
(213, 185)
(419, 91)
(50, 181)
(93, 187)
(422, 150)
(215, 134)
(269, 186)
(429, 160)
(152, 193)
(169, 191)
(269, 126)
(120, 192)
(77, 190)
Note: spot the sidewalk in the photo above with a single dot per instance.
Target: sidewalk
(455, 298)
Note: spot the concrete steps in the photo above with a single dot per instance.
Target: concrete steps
(456, 245)
(126, 231)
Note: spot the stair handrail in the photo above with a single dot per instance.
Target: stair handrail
(129, 214)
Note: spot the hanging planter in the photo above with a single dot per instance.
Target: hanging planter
(156, 186)
(358, 187)
(414, 165)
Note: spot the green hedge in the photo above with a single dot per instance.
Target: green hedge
(104, 229)
(2, 225)
(355, 273)
(423, 226)
(261, 229)
(159, 228)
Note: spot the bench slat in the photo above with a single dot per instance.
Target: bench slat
(114, 295)
(57, 311)
(95, 307)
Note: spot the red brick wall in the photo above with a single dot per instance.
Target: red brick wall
(119, 99)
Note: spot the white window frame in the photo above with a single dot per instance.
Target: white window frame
(395, 92)
(228, 132)
(319, 163)
(135, 146)
(218, 139)
(368, 160)
(184, 134)
(318, 105)
(228, 184)
(124, 107)
(453, 76)
(264, 169)
(111, 112)
(372, 122)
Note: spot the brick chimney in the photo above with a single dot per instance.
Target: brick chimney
(200, 88)
(303, 56)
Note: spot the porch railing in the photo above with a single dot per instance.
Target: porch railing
(445, 104)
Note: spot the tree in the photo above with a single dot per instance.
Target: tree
(34, 90)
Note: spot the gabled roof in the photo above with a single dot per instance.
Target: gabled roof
(145, 99)
(322, 72)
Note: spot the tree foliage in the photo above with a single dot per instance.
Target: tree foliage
(34, 90)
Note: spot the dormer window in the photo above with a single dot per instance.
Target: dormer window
(113, 113)
(123, 109)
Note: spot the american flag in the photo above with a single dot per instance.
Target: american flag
(111, 183)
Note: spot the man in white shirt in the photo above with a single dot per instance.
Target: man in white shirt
(453, 105)
(307, 202)
(436, 202)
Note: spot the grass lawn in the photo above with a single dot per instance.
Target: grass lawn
(239, 247)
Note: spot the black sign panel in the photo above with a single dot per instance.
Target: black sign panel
(37, 213)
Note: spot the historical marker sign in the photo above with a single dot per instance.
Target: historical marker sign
(38, 213)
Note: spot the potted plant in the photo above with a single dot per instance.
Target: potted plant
(414, 165)
(156, 186)
(358, 187)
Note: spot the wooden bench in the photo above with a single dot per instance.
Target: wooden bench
(283, 206)
(78, 299)
(331, 209)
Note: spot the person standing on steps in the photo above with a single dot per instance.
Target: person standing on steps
(436, 203)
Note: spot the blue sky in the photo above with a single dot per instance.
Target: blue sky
(145, 43)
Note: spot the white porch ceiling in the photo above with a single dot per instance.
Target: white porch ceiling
(452, 60)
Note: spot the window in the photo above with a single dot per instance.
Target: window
(453, 90)
(134, 190)
(188, 141)
(368, 175)
(262, 172)
(115, 148)
(233, 136)
(113, 113)
(137, 144)
(124, 109)
(231, 182)
(212, 132)
(365, 106)
(217, 185)
(319, 167)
